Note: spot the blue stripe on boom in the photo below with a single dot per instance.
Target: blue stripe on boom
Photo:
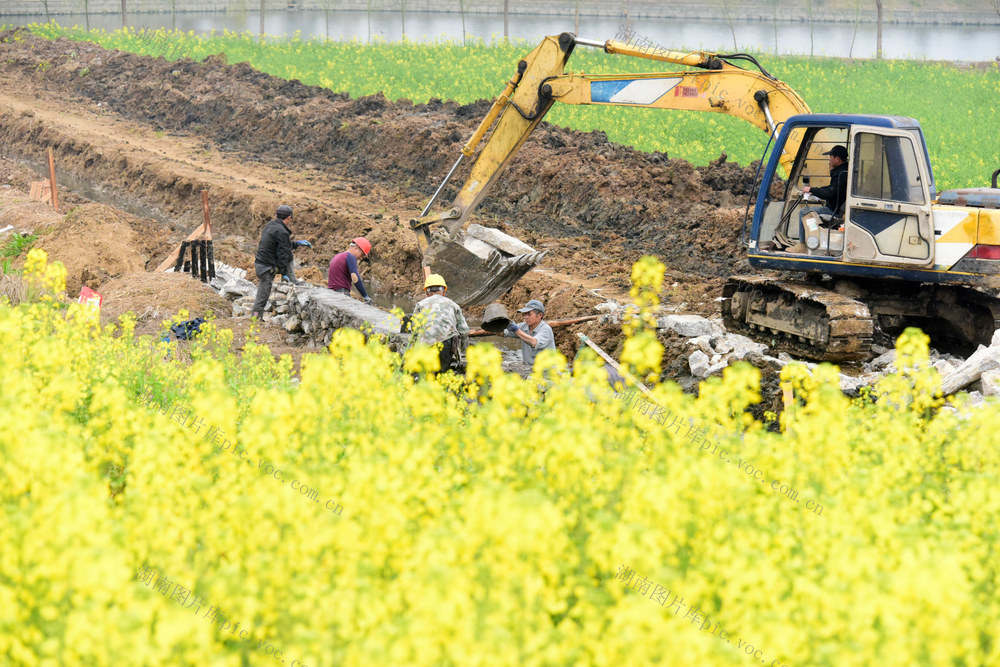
(603, 91)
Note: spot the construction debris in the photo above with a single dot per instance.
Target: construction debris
(982, 360)
(310, 314)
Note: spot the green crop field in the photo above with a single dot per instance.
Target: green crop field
(958, 108)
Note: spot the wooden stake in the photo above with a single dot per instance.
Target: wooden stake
(208, 221)
(179, 265)
(207, 252)
(194, 258)
(204, 231)
(169, 261)
(52, 180)
(203, 258)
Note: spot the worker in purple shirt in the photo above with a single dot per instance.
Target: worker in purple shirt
(344, 269)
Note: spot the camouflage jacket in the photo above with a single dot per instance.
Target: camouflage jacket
(437, 318)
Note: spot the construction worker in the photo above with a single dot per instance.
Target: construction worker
(535, 335)
(274, 256)
(441, 321)
(344, 271)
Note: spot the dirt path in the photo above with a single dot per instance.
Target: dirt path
(159, 132)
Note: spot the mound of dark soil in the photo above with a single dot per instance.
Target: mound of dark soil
(564, 184)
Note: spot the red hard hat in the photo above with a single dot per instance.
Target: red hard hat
(363, 243)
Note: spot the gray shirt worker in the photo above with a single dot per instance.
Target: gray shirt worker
(533, 328)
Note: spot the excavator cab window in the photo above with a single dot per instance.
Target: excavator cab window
(889, 216)
(815, 166)
(886, 168)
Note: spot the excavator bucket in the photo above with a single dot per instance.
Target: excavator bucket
(481, 264)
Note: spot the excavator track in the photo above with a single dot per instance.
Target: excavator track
(803, 320)
(958, 318)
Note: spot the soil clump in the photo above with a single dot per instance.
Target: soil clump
(153, 297)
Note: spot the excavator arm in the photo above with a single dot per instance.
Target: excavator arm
(482, 264)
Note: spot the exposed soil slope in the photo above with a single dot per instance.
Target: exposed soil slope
(159, 132)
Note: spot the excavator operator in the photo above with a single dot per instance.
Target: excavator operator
(834, 194)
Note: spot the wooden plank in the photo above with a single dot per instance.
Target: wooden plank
(40, 191)
(625, 374)
(208, 221)
(172, 259)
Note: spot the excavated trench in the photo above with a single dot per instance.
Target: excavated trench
(148, 132)
(88, 189)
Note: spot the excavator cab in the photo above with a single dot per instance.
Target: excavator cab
(885, 218)
(821, 229)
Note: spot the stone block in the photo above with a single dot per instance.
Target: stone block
(503, 242)
(744, 348)
(702, 343)
(944, 367)
(686, 325)
(698, 362)
(885, 361)
(991, 383)
(236, 288)
(721, 344)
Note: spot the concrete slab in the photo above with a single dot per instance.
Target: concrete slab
(503, 242)
(351, 312)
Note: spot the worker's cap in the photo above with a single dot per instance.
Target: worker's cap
(838, 151)
(284, 211)
(534, 304)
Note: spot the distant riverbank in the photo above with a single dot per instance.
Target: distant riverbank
(957, 12)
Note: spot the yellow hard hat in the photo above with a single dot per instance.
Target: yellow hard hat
(435, 280)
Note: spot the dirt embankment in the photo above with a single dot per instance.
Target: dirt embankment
(161, 131)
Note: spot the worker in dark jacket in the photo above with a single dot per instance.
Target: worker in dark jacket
(274, 256)
(834, 194)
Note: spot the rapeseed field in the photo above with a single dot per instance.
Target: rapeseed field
(148, 514)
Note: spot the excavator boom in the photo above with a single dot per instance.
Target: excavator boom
(482, 264)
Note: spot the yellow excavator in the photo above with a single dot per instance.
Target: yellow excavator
(482, 263)
(895, 253)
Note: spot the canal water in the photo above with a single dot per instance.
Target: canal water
(916, 42)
